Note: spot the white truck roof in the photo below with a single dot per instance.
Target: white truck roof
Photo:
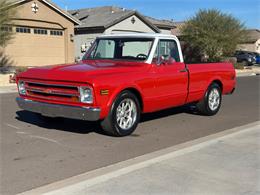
(140, 35)
(156, 36)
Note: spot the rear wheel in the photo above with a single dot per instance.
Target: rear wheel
(211, 102)
(124, 115)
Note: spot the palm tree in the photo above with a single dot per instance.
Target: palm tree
(7, 13)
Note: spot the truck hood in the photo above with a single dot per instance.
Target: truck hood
(83, 71)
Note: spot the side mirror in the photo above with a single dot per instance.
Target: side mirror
(162, 60)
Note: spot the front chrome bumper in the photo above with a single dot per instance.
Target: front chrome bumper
(57, 110)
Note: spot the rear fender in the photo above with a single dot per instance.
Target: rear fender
(217, 78)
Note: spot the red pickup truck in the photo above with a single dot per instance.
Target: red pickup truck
(122, 76)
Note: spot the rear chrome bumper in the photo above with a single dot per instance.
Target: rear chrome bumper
(57, 110)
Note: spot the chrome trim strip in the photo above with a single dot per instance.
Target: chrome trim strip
(59, 85)
(52, 92)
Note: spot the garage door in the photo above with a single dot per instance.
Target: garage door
(37, 46)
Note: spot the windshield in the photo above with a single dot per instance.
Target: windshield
(136, 49)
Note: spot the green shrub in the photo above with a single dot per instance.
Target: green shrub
(213, 33)
(20, 69)
(239, 66)
(232, 60)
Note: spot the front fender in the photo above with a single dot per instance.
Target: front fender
(106, 106)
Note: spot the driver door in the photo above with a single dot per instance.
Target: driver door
(171, 75)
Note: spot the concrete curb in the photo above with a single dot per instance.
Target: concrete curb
(82, 181)
(246, 74)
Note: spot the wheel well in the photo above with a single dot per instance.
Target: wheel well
(137, 94)
(219, 83)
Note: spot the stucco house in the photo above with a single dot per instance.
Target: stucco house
(109, 20)
(253, 41)
(165, 26)
(44, 34)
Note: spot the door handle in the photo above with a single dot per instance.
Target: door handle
(183, 70)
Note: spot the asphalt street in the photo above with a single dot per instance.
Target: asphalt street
(35, 152)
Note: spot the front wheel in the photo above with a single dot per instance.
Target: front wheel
(124, 115)
(211, 102)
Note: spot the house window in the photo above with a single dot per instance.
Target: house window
(6, 28)
(23, 30)
(56, 32)
(40, 31)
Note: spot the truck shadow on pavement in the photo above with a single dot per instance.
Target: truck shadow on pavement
(85, 127)
(189, 109)
(62, 124)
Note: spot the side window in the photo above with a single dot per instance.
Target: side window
(167, 50)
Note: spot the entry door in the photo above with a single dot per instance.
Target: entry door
(172, 75)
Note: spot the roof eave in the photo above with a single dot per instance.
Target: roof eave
(75, 20)
(151, 25)
(165, 26)
(67, 15)
(131, 14)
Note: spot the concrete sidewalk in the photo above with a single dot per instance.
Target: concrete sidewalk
(12, 88)
(226, 163)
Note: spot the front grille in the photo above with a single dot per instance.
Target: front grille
(49, 91)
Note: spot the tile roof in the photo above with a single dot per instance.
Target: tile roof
(253, 35)
(99, 16)
(109, 15)
(161, 23)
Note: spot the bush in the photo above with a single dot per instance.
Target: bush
(213, 33)
(239, 66)
(6, 64)
(190, 54)
(20, 69)
(232, 60)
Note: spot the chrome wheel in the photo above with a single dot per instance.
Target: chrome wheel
(126, 114)
(214, 99)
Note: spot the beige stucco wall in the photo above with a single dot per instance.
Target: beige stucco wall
(83, 39)
(255, 47)
(124, 26)
(167, 32)
(127, 25)
(35, 50)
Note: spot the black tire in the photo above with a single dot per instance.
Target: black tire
(204, 107)
(110, 124)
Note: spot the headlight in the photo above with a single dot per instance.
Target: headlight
(86, 95)
(21, 88)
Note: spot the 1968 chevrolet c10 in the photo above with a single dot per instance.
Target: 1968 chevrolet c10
(122, 76)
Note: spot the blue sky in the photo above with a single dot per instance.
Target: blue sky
(248, 11)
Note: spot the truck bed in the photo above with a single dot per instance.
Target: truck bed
(201, 75)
